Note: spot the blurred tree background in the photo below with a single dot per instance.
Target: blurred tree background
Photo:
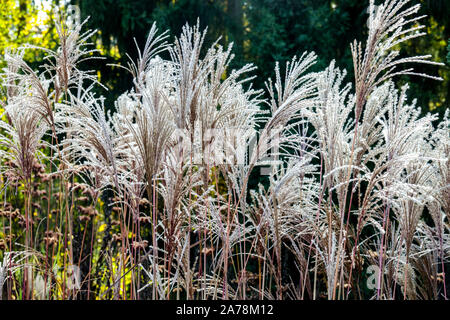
(263, 31)
(24, 21)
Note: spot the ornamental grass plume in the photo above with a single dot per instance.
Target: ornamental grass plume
(152, 198)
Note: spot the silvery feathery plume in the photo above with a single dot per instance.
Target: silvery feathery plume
(404, 135)
(430, 251)
(151, 129)
(283, 215)
(330, 117)
(396, 169)
(390, 141)
(144, 121)
(60, 72)
(389, 24)
(22, 137)
(20, 78)
(332, 261)
(154, 45)
(12, 262)
(287, 99)
(164, 88)
(62, 63)
(91, 141)
(209, 100)
(440, 142)
(201, 94)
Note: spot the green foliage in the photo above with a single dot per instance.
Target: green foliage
(320, 26)
(448, 49)
(263, 32)
(26, 22)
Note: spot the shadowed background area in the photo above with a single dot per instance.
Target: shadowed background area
(263, 31)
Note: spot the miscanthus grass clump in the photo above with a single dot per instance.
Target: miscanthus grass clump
(152, 200)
